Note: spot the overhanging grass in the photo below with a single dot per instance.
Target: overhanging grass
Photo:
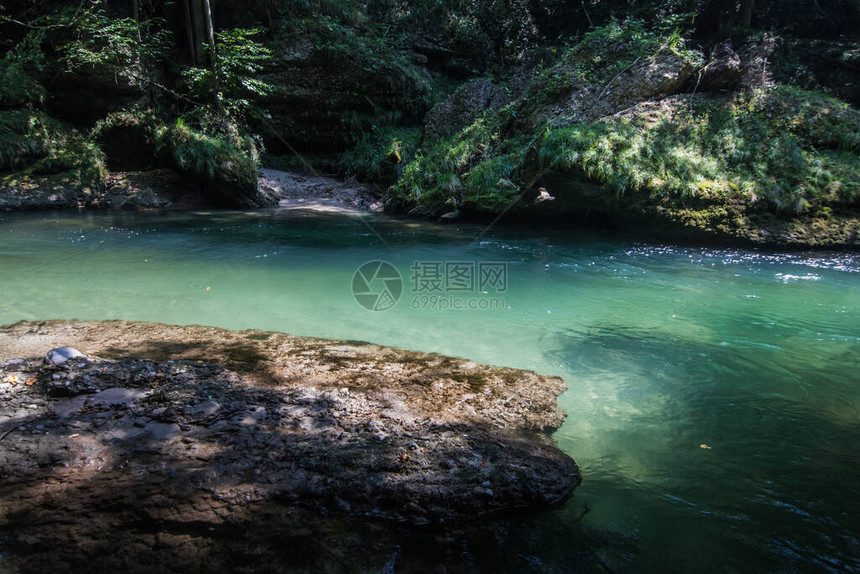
(210, 158)
(795, 149)
(31, 142)
(381, 155)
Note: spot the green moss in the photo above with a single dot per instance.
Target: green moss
(17, 88)
(600, 56)
(381, 155)
(789, 150)
(145, 119)
(33, 143)
(797, 150)
(478, 168)
(232, 162)
(490, 164)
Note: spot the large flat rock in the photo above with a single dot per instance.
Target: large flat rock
(177, 430)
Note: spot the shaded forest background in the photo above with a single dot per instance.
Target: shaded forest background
(442, 104)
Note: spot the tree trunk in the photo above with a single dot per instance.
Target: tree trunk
(198, 23)
(137, 20)
(213, 57)
(189, 33)
(712, 19)
(747, 8)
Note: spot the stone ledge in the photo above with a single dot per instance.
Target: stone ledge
(202, 427)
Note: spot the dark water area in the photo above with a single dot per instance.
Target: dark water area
(713, 394)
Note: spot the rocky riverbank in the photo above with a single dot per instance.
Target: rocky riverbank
(165, 443)
(168, 189)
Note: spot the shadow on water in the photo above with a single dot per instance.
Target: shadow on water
(744, 472)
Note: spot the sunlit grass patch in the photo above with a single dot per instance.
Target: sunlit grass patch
(795, 149)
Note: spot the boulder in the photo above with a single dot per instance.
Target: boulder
(647, 79)
(723, 72)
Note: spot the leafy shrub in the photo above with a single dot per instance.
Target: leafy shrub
(239, 59)
(132, 49)
(477, 168)
(17, 87)
(792, 150)
(33, 142)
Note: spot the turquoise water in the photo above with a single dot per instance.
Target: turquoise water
(714, 394)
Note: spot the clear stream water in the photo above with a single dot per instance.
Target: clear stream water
(664, 349)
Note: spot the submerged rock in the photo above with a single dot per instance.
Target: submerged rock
(197, 427)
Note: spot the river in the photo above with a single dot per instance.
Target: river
(714, 394)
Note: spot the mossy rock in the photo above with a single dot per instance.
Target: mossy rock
(226, 170)
(33, 143)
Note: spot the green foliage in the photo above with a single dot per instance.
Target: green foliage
(477, 168)
(146, 119)
(32, 142)
(821, 121)
(601, 55)
(212, 141)
(129, 48)
(381, 155)
(17, 87)
(795, 149)
(239, 59)
(494, 30)
(490, 184)
(232, 161)
(483, 31)
(485, 166)
(792, 150)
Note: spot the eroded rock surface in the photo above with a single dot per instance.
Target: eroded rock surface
(161, 439)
